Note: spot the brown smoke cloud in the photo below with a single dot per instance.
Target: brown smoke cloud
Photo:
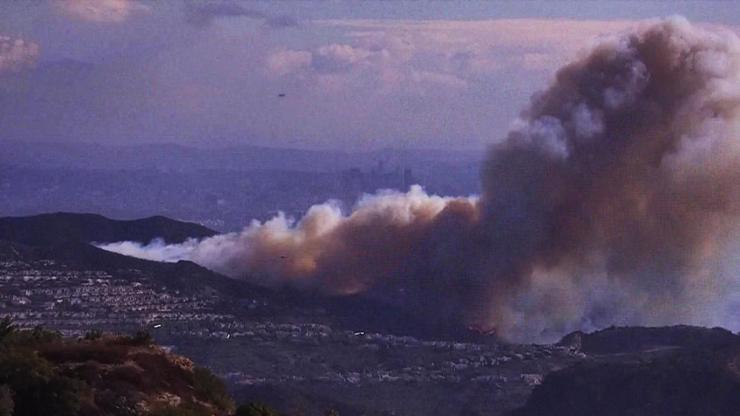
(613, 200)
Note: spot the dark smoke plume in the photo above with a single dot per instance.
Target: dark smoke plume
(614, 200)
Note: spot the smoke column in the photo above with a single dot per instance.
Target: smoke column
(613, 200)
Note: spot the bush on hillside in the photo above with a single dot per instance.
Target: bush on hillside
(141, 338)
(6, 401)
(7, 328)
(210, 387)
(35, 387)
(93, 335)
(256, 409)
(178, 411)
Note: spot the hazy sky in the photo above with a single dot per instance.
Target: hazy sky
(353, 74)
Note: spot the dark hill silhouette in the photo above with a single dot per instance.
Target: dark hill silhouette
(692, 381)
(56, 228)
(615, 340)
(183, 275)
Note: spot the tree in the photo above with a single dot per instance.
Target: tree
(256, 409)
(177, 411)
(41, 336)
(210, 387)
(7, 328)
(36, 386)
(93, 335)
(6, 401)
(142, 338)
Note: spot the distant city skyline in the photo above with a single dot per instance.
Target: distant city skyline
(339, 75)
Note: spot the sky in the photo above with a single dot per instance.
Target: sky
(309, 74)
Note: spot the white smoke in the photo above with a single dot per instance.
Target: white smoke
(155, 250)
(284, 249)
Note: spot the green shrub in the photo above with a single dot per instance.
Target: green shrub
(37, 388)
(11, 336)
(93, 335)
(256, 409)
(142, 338)
(211, 388)
(40, 336)
(181, 410)
(7, 328)
(6, 401)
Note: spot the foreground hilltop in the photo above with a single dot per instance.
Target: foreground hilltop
(42, 373)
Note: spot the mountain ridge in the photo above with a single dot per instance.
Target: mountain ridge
(61, 227)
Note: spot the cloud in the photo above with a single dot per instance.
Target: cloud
(338, 67)
(284, 62)
(418, 56)
(438, 79)
(339, 57)
(486, 44)
(202, 14)
(102, 11)
(17, 54)
(348, 82)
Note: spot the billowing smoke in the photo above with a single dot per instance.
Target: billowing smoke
(613, 200)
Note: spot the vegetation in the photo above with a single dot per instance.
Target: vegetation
(30, 384)
(42, 373)
(93, 335)
(6, 401)
(142, 338)
(182, 410)
(7, 328)
(255, 409)
(211, 387)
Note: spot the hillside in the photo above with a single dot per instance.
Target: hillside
(183, 276)
(665, 371)
(616, 340)
(48, 229)
(694, 382)
(44, 374)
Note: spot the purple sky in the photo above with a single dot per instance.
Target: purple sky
(354, 75)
